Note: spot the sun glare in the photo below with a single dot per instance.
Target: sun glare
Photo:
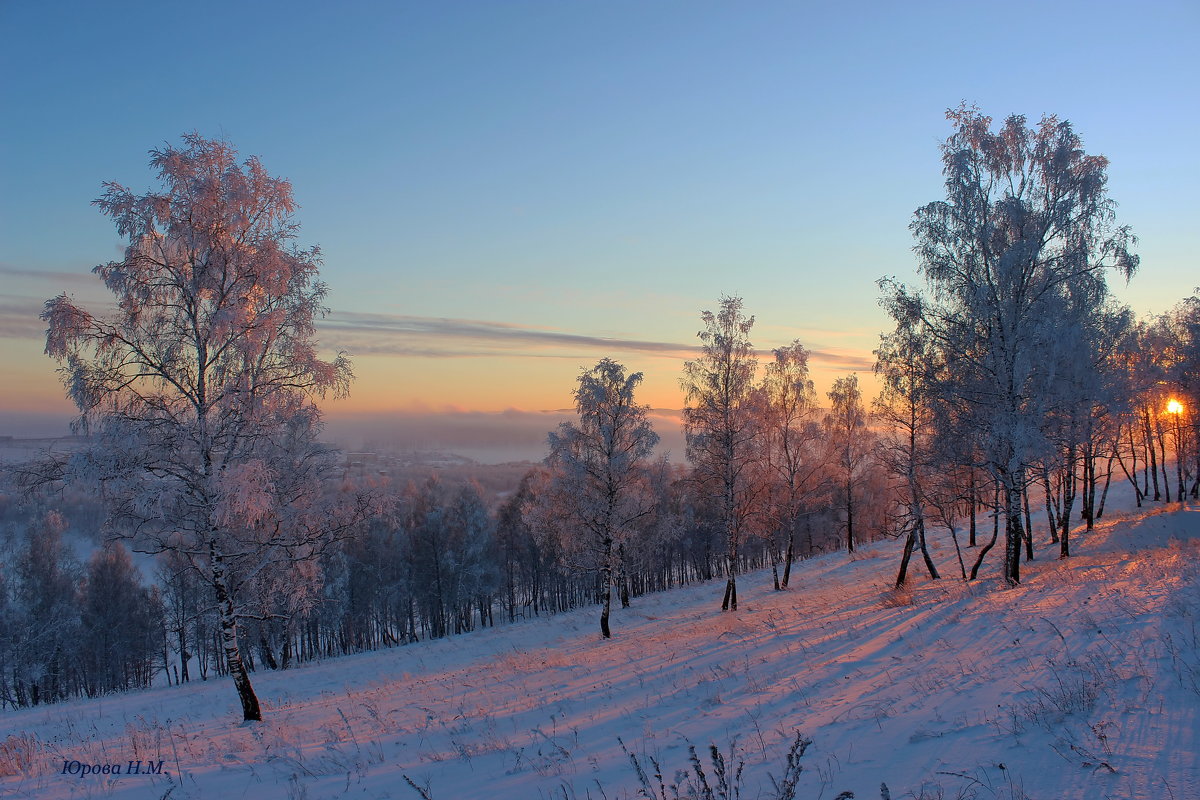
(1174, 406)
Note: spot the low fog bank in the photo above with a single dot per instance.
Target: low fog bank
(24, 424)
(485, 437)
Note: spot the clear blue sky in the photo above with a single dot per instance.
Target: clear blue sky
(499, 185)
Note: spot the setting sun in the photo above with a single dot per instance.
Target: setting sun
(1174, 406)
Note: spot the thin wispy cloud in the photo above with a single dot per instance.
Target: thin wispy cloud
(845, 361)
(410, 336)
(20, 311)
(20, 318)
(404, 335)
(49, 276)
(401, 334)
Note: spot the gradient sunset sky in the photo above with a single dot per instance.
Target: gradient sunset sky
(506, 192)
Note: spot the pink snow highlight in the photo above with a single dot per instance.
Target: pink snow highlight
(1083, 682)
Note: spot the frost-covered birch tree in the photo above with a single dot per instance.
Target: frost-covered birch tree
(790, 447)
(200, 385)
(1026, 221)
(720, 425)
(600, 472)
(849, 440)
(906, 407)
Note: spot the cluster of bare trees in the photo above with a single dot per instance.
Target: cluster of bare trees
(68, 629)
(1015, 380)
(1159, 423)
(763, 450)
(1126, 416)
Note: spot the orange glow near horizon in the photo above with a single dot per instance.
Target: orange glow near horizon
(387, 384)
(390, 384)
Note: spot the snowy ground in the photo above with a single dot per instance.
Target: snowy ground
(1084, 682)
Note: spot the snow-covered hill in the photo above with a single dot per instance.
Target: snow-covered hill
(1084, 682)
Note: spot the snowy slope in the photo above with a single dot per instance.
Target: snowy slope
(1084, 682)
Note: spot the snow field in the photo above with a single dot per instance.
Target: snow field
(1083, 682)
